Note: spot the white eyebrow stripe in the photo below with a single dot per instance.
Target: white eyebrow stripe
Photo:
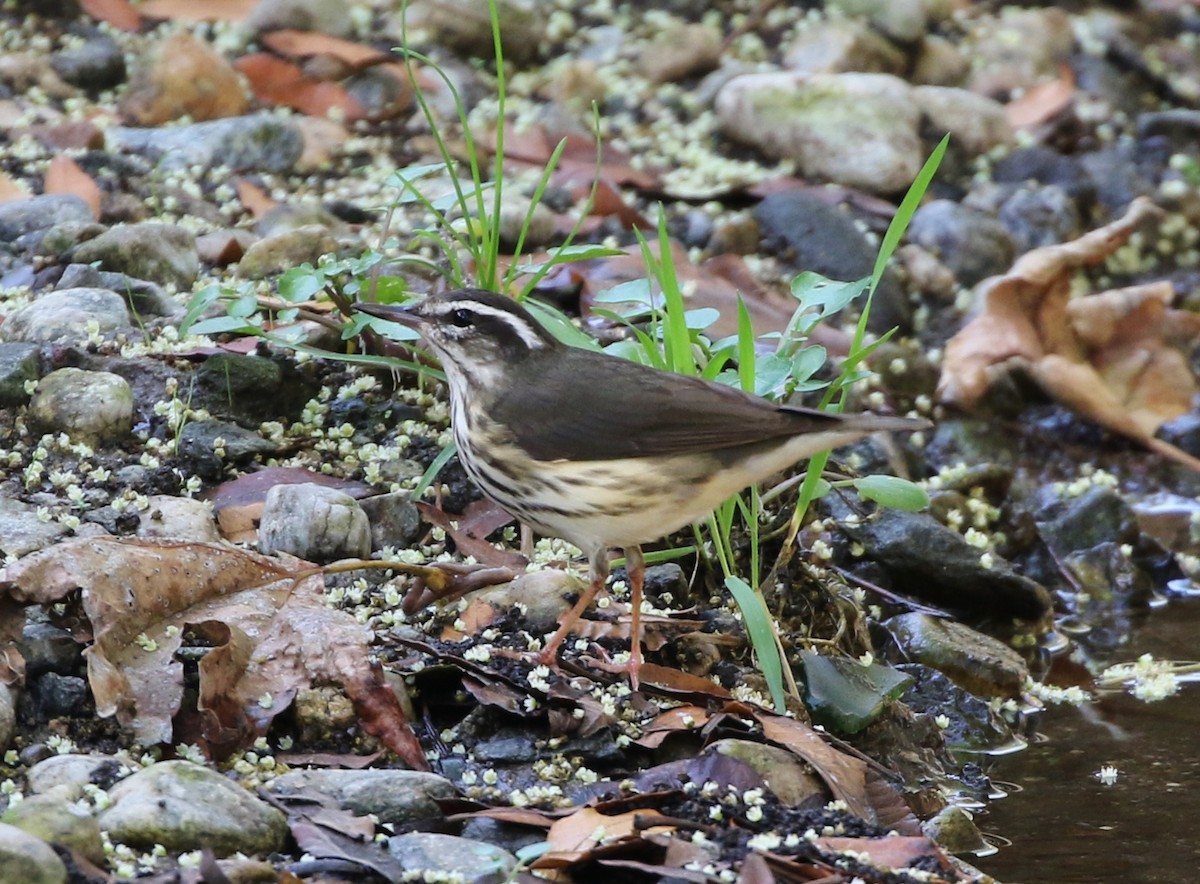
(528, 336)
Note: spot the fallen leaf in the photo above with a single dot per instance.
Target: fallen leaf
(63, 175)
(1042, 102)
(278, 82)
(190, 11)
(253, 198)
(1119, 358)
(118, 13)
(11, 191)
(305, 44)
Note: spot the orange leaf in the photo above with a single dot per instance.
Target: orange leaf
(254, 198)
(191, 11)
(275, 81)
(305, 44)
(117, 13)
(65, 176)
(10, 190)
(1043, 102)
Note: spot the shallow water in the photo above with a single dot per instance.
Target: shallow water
(1065, 825)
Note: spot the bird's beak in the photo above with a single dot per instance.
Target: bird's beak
(404, 315)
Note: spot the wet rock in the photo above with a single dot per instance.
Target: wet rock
(792, 781)
(976, 662)
(971, 724)
(89, 406)
(1106, 576)
(282, 251)
(261, 142)
(68, 315)
(971, 243)
(1171, 519)
(182, 76)
(18, 366)
(184, 806)
(449, 855)
(8, 717)
(206, 446)
(680, 50)
(395, 521)
(1040, 216)
(927, 560)
(395, 796)
(94, 65)
(28, 859)
(22, 216)
(810, 118)
(837, 45)
(1097, 516)
(810, 234)
(313, 522)
(248, 388)
(955, 832)
(48, 648)
(161, 253)
(66, 775)
(143, 297)
(59, 822)
(178, 518)
(976, 123)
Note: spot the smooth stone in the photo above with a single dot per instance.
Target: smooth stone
(23, 216)
(47, 648)
(18, 366)
(837, 45)
(22, 532)
(184, 806)
(64, 316)
(449, 856)
(977, 662)
(316, 523)
(28, 859)
(178, 518)
(260, 142)
(976, 123)
(282, 251)
(58, 821)
(95, 65)
(972, 244)
(395, 521)
(66, 775)
(1040, 215)
(162, 253)
(199, 440)
(89, 406)
(903, 20)
(144, 298)
(395, 796)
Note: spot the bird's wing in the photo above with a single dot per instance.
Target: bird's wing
(623, 409)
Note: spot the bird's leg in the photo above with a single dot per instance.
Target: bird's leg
(598, 572)
(635, 567)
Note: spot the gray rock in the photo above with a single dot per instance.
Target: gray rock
(18, 365)
(184, 806)
(902, 20)
(1171, 519)
(178, 518)
(313, 522)
(465, 26)
(282, 251)
(58, 821)
(260, 142)
(973, 244)
(144, 298)
(449, 855)
(65, 315)
(678, 50)
(1018, 48)
(325, 16)
(161, 253)
(810, 234)
(28, 859)
(66, 775)
(199, 440)
(395, 521)
(976, 123)
(939, 63)
(812, 118)
(954, 831)
(95, 65)
(1047, 166)
(1040, 215)
(837, 45)
(90, 406)
(8, 717)
(20, 217)
(1098, 516)
(395, 796)
(56, 695)
(792, 780)
(47, 648)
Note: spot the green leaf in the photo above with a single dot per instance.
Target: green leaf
(222, 325)
(908, 207)
(637, 290)
(892, 491)
(301, 283)
(823, 295)
(198, 303)
(761, 630)
(559, 324)
(845, 695)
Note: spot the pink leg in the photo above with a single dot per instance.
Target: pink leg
(635, 567)
(598, 572)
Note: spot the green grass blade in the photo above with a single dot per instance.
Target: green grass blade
(761, 631)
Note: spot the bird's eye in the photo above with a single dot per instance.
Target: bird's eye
(462, 317)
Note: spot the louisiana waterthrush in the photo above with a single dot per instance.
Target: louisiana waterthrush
(598, 450)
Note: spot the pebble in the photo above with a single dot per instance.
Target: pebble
(23, 216)
(316, 523)
(48, 648)
(680, 50)
(1040, 215)
(183, 76)
(198, 440)
(67, 316)
(395, 796)
(184, 806)
(979, 663)
(18, 366)
(95, 407)
(66, 775)
(836, 45)
(287, 249)
(326, 16)
(792, 780)
(28, 859)
(451, 857)
(59, 822)
(465, 26)
(95, 65)
(178, 518)
(395, 521)
(162, 253)
(904, 21)
(811, 118)
(976, 123)
(143, 297)
(260, 142)
(971, 243)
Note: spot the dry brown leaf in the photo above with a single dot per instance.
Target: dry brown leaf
(278, 82)
(305, 44)
(572, 837)
(63, 175)
(253, 198)
(118, 13)
(1043, 102)
(1119, 358)
(11, 191)
(273, 634)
